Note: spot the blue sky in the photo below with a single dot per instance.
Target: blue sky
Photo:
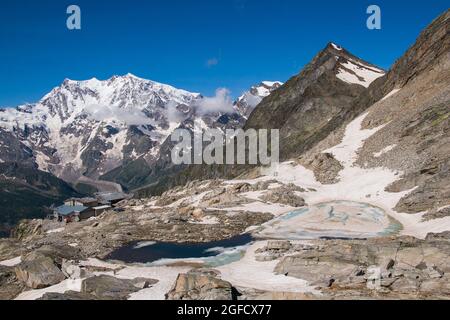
(171, 41)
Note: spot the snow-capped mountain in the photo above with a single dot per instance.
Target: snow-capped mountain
(247, 102)
(88, 128)
(355, 71)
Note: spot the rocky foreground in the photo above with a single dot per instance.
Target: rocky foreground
(389, 268)
(51, 261)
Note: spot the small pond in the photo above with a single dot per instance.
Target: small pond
(211, 254)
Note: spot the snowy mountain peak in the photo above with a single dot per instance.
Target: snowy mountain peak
(247, 102)
(92, 126)
(130, 75)
(355, 72)
(336, 46)
(351, 69)
(125, 92)
(271, 83)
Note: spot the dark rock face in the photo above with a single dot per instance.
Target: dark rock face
(109, 288)
(431, 132)
(26, 192)
(9, 284)
(12, 149)
(325, 167)
(417, 121)
(304, 108)
(284, 195)
(159, 173)
(431, 45)
(196, 286)
(38, 271)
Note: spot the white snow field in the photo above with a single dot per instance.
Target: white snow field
(358, 73)
(249, 273)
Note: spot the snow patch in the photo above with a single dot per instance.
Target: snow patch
(144, 244)
(55, 230)
(66, 285)
(346, 151)
(356, 73)
(11, 262)
(384, 151)
(249, 273)
(390, 94)
(335, 46)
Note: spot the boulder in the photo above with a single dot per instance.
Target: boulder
(279, 245)
(284, 196)
(273, 250)
(144, 283)
(38, 271)
(198, 214)
(106, 287)
(185, 210)
(197, 286)
(241, 188)
(60, 252)
(325, 167)
(73, 271)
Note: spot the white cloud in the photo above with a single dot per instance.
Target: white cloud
(114, 113)
(173, 114)
(221, 102)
